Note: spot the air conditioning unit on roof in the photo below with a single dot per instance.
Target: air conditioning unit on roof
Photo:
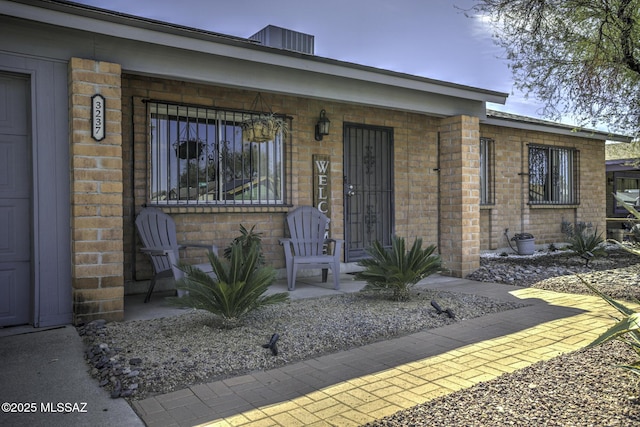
(283, 38)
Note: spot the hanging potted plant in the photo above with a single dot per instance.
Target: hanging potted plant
(188, 149)
(263, 128)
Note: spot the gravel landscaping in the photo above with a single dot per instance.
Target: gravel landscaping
(582, 388)
(579, 389)
(141, 358)
(617, 274)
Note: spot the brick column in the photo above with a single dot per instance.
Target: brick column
(96, 193)
(460, 194)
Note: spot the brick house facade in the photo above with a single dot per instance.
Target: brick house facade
(512, 209)
(435, 129)
(415, 140)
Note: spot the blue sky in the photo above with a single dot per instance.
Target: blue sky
(428, 38)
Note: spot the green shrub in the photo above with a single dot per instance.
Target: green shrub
(626, 329)
(396, 271)
(245, 240)
(585, 243)
(237, 290)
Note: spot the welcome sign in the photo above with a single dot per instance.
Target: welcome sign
(322, 183)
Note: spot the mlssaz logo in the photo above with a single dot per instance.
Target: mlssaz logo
(64, 407)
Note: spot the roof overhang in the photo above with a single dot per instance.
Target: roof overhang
(622, 165)
(235, 61)
(499, 118)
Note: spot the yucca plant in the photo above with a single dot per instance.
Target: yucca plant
(395, 270)
(237, 290)
(626, 329)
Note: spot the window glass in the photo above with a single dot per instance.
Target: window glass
(553, 175)
(487, 181)
(628, 189)
(201, 156)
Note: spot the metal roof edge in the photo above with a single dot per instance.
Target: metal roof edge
(621, 161)
(500, 118)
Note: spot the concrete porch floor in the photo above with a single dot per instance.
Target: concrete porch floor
(306, 287)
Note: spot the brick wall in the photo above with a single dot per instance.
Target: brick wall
(436, 192)
(415, 139)
(96, 193)
(461, 229)
(110, 181)
(460, 194)
(511, 209)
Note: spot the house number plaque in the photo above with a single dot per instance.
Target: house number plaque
(97, 117)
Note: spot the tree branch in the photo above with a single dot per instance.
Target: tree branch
(625, 15)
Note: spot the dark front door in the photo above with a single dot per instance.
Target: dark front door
(368, 187)
(15, 202)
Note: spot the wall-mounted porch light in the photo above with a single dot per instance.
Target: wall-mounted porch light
(322, 127)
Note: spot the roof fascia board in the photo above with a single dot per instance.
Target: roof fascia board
(213, 69)
(191, 39)
(620, 167)
(622, 161)
(558, 130)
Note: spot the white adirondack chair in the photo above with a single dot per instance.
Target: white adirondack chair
(157, 231)
(307, 246)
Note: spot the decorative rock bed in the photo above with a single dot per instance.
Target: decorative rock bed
(139, 358)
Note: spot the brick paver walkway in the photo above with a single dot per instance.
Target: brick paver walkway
(360, 385)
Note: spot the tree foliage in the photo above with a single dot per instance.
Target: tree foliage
(579, 57)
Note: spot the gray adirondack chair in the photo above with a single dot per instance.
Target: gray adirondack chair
(307, 245)
(157, 231)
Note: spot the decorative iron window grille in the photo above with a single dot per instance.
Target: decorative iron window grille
(553, 175)
(198, 157)
(487, 167)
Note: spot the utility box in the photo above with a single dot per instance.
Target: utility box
(283, 38)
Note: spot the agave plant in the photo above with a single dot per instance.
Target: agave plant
(237, 289)
(395, 270)
(626, 329)
(585, 243)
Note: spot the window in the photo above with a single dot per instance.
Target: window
(553, 175)
(627, 187)
(199, 157)
(487, 180)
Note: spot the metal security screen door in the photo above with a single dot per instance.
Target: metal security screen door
(368, 181)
